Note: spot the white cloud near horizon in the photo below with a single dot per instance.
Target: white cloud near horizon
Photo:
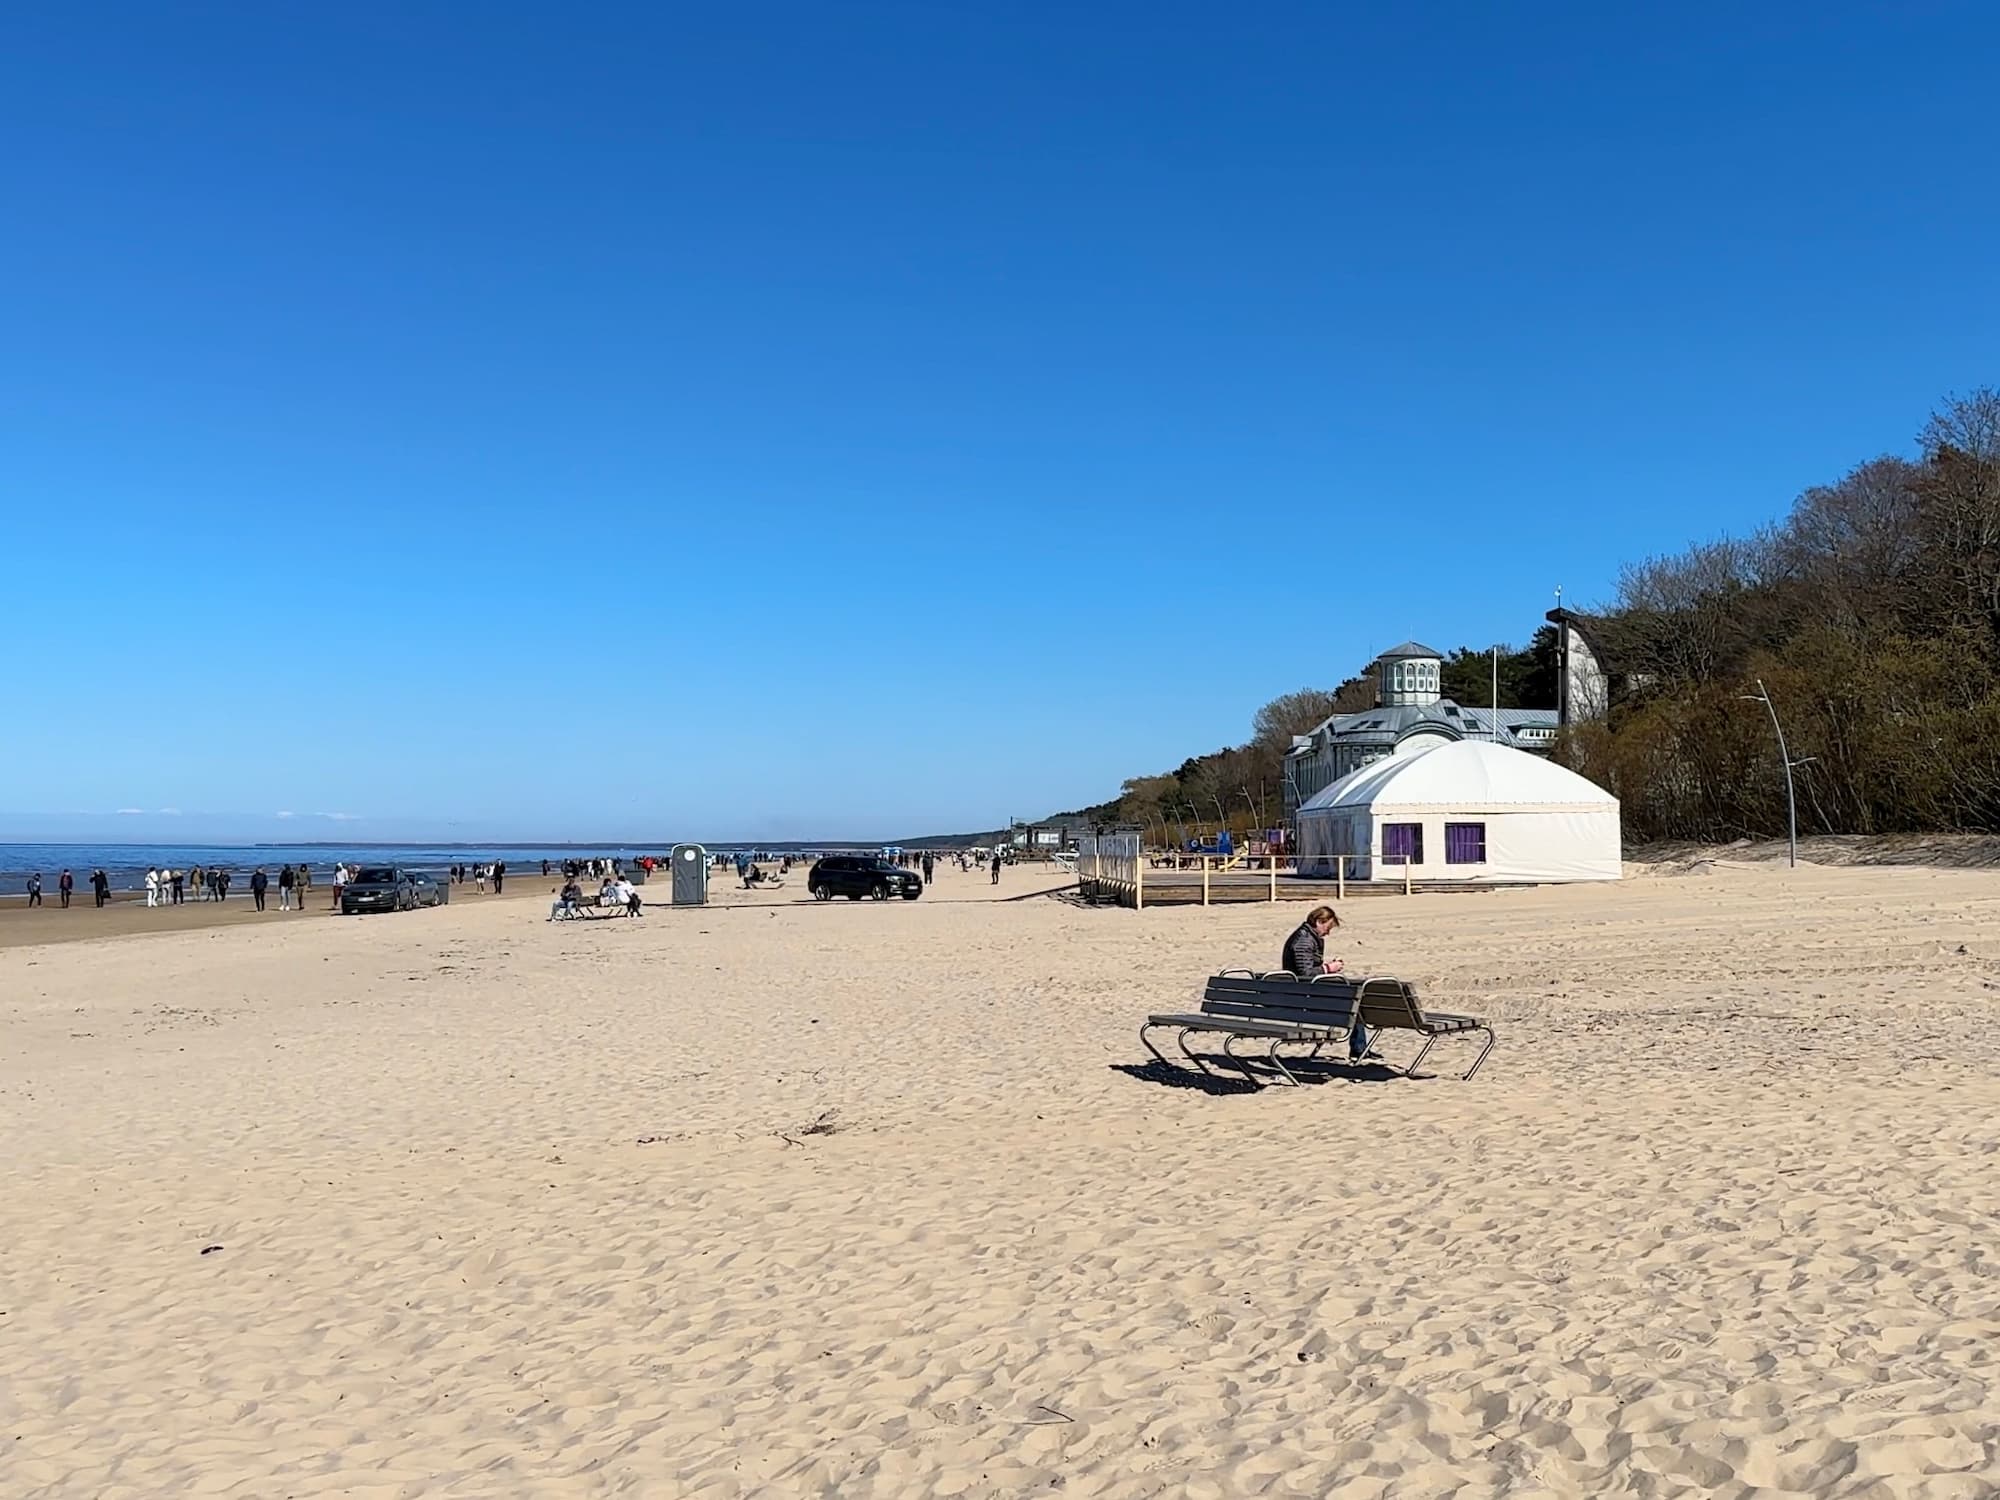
(130, 812)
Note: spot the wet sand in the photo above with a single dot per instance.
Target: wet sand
(127, 914)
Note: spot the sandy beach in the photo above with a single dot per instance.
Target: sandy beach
(772, 1198)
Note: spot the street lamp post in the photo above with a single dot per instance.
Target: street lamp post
(1763, 696)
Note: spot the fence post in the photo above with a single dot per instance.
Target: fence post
(1406, 874)
(1139, 879)
(1274, 875)
(1204, 880)
(1340, 876)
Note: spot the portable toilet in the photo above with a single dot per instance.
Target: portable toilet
(690, 875)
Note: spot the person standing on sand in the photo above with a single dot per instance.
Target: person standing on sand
(499, 874)
(285, 880)
(930, 864)
(176, 879)
(259, 883)
(996, 867)
(479, 874)
(101, 883)
(152, 887)
(339, 880)
(35, 889)
(303, 879)
(65, 883)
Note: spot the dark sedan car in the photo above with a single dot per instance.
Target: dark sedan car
(855, 876)
(378, 888)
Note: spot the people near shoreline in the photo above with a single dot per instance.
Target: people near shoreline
(996, 867)
(222, 885)
(499, 875)
(339, 882)
(101, 884)
(1305, 958)
(65, 884)
(35, 889)
(479, 878)
(176, 879)
(259, 884)
(286, 879)
(152, 886)
(303, 879)
(930, 866)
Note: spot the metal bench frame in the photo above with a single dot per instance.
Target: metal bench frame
(1241, 1006)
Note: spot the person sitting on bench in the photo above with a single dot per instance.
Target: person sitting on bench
(565, 904)
(1305, 958)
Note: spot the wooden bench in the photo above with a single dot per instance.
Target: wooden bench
(1279, 1008)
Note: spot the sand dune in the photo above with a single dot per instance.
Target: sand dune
(858, 1200)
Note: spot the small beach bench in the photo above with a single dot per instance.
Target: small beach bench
(1279, 1008)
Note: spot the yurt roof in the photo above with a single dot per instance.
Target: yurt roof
(1467, 773)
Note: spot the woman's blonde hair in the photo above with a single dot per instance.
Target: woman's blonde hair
(1321, 914)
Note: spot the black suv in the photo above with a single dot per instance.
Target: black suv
(858, 875)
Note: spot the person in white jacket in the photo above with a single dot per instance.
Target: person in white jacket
(152, 887)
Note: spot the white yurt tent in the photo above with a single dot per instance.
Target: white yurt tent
(1470, 810)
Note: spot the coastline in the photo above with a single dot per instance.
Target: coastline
(128, 916)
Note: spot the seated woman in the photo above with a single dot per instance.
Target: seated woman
(566, 903)
(1305, 957)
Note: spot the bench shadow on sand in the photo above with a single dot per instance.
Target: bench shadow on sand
(1230, 1080)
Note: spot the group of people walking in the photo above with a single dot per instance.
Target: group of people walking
(171, 887)
(495, 872)
(66, 887)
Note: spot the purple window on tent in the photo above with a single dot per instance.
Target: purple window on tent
(1402, 843)
(1465, 843)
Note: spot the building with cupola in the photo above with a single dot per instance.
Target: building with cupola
(1411, 715)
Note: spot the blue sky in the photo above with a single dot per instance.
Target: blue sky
(788, 419)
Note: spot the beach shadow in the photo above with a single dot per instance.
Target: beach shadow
(1184, 1078)
(1230, 1080)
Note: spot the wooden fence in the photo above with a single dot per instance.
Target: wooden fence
(1112, 866)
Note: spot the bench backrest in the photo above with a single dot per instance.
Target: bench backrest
(1331, 1000)
(1390, 1004)
(1327, 1001)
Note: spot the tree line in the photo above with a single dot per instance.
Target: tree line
(1870, 612)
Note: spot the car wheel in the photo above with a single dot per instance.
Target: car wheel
(881, 891)
(820, 892)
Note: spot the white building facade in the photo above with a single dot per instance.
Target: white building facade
(1411, 715)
